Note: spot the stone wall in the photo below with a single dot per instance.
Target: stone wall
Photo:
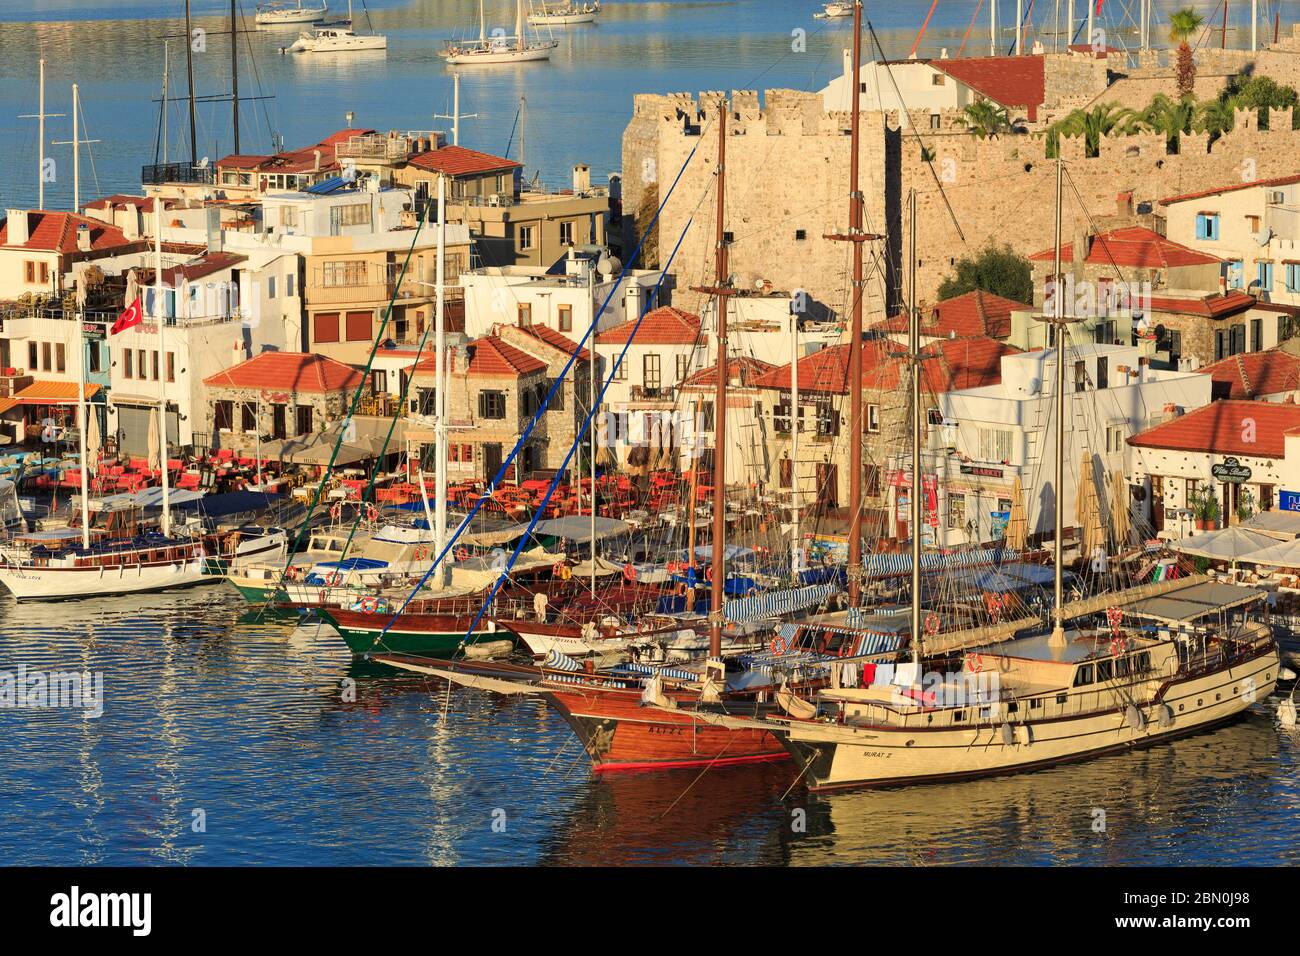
(327, 407)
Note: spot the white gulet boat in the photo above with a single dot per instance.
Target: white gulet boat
(337, 40)
(563, 14)
(281, 14)
(497, 48)
(832, 11)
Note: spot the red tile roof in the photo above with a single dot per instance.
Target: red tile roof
(459, 161)
(557, 340)
(492, 355)
(740, 368)
(974, 313)
(288, 372)
(1221, 428)
(662, 326)
(1136, 247)
(57, 232)
(946, 365)
(120, 200)
(1210, 306)
(1006, 80)
(295, 160)
(209, 264)
(1255, 373)
(1232, 187)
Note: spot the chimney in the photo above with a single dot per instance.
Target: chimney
(316, 161)
(1124, 205)
(581, 179)
(1171, 412)
(131, 222)
(83, 238)
(18, 229)
(460, 360)
(348, 117)
(1081, 246)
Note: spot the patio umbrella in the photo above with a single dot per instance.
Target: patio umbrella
(1089, 511)
(154, 444)
(1227, 544)
(132, 287)
(92, 438)
(1018, 521)
(1119, 516)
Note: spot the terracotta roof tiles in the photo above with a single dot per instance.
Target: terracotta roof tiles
(662, 326)
(1221, 428)
(288, 372)
(1134, 247)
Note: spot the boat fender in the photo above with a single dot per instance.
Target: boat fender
(1133, 717)
(1286, 674)
(1166, 715)
(1008, 735)
(1286, 712)
(1025, 734)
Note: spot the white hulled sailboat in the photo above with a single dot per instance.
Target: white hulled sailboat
(337, 40)
(275, 14)
(499, 49)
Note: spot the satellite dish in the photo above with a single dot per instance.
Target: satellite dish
(758, 284)
(203, 163)
(1263, 236)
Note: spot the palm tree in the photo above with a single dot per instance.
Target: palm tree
(1102, 120)
(986, 120)
(1216, 117)
(1182, 25)
(1171, 117)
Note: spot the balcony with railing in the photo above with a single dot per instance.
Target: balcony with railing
(161, 174)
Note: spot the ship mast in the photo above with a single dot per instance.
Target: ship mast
(857, 237)
(914, 350)
(1058, 323)
(720, 292)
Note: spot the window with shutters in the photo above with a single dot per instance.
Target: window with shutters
(492, 405)
(325, 327)
(525, 315)
(358, 326)
(224, 416)
(249, 416)
(650, 372)
(31, 358)
(60, 357)
(343, 273)
(787, 473)
(303, 419)
(565, 313)
(995, 444)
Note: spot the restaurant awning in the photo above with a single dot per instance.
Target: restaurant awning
(1227, 544)
(54, 393)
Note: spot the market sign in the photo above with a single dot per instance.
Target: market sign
(1288, 501)
(981, 471)
(1231, 471)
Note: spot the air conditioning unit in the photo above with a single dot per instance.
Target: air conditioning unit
(1277, 197)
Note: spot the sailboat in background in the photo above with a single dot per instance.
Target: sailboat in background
(564, 14)
(275, 14)
(338, 39)
(497, 48)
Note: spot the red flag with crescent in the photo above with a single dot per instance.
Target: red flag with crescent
(133, 315)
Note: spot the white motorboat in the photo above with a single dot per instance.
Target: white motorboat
(282, 14)
(563, 14)
(147, 563)
(832, 11)
(498, 48)
(337, 39)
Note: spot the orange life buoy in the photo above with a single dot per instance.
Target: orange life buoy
(629, 573)
(462, 554)
(779, 645)
(334, 579)
(976, 663)
(708, 573)
(369, 605)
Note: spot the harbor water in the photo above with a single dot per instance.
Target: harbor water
(223, 742)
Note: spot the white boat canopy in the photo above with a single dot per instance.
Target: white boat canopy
(578, 528)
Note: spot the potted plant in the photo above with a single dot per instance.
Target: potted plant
(1245, 504)
(1205, 506)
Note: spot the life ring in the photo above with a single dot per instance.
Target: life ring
(333, 579)
(932, 623)
(1114, 616)
(629, 573)
(462, 553)
(708, 573)
(369, 605)
(752, 592)
(419, 554)
(779, 645)
(975, 663)
(372, 513)
(336, 513)
(682, 589)
(322, 596)
(1117, 646)
(291, 572)
(557, 568)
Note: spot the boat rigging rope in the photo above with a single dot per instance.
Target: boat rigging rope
(523, 438)
(354, 404)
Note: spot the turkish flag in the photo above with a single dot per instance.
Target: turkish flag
(133, 315)
(1099, 2)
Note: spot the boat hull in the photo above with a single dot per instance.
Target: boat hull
(435, 635)
(839, 756)
(56, 584)
(619, 734)
(496, 57)
(561, 20)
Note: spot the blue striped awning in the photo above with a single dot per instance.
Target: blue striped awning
(651, 671)
(560, 662)
(890, 565)
(777, 603)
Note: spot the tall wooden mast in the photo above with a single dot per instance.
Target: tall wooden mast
(856, 237)
(720, 291)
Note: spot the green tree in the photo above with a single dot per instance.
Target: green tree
(1215, 117)
(1182, 25)
(986, 120)
(1261, 93)
(1170, 117)
(995, 270)
(1104, 119)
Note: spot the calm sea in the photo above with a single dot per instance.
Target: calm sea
(576, 105)
(230, 743)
